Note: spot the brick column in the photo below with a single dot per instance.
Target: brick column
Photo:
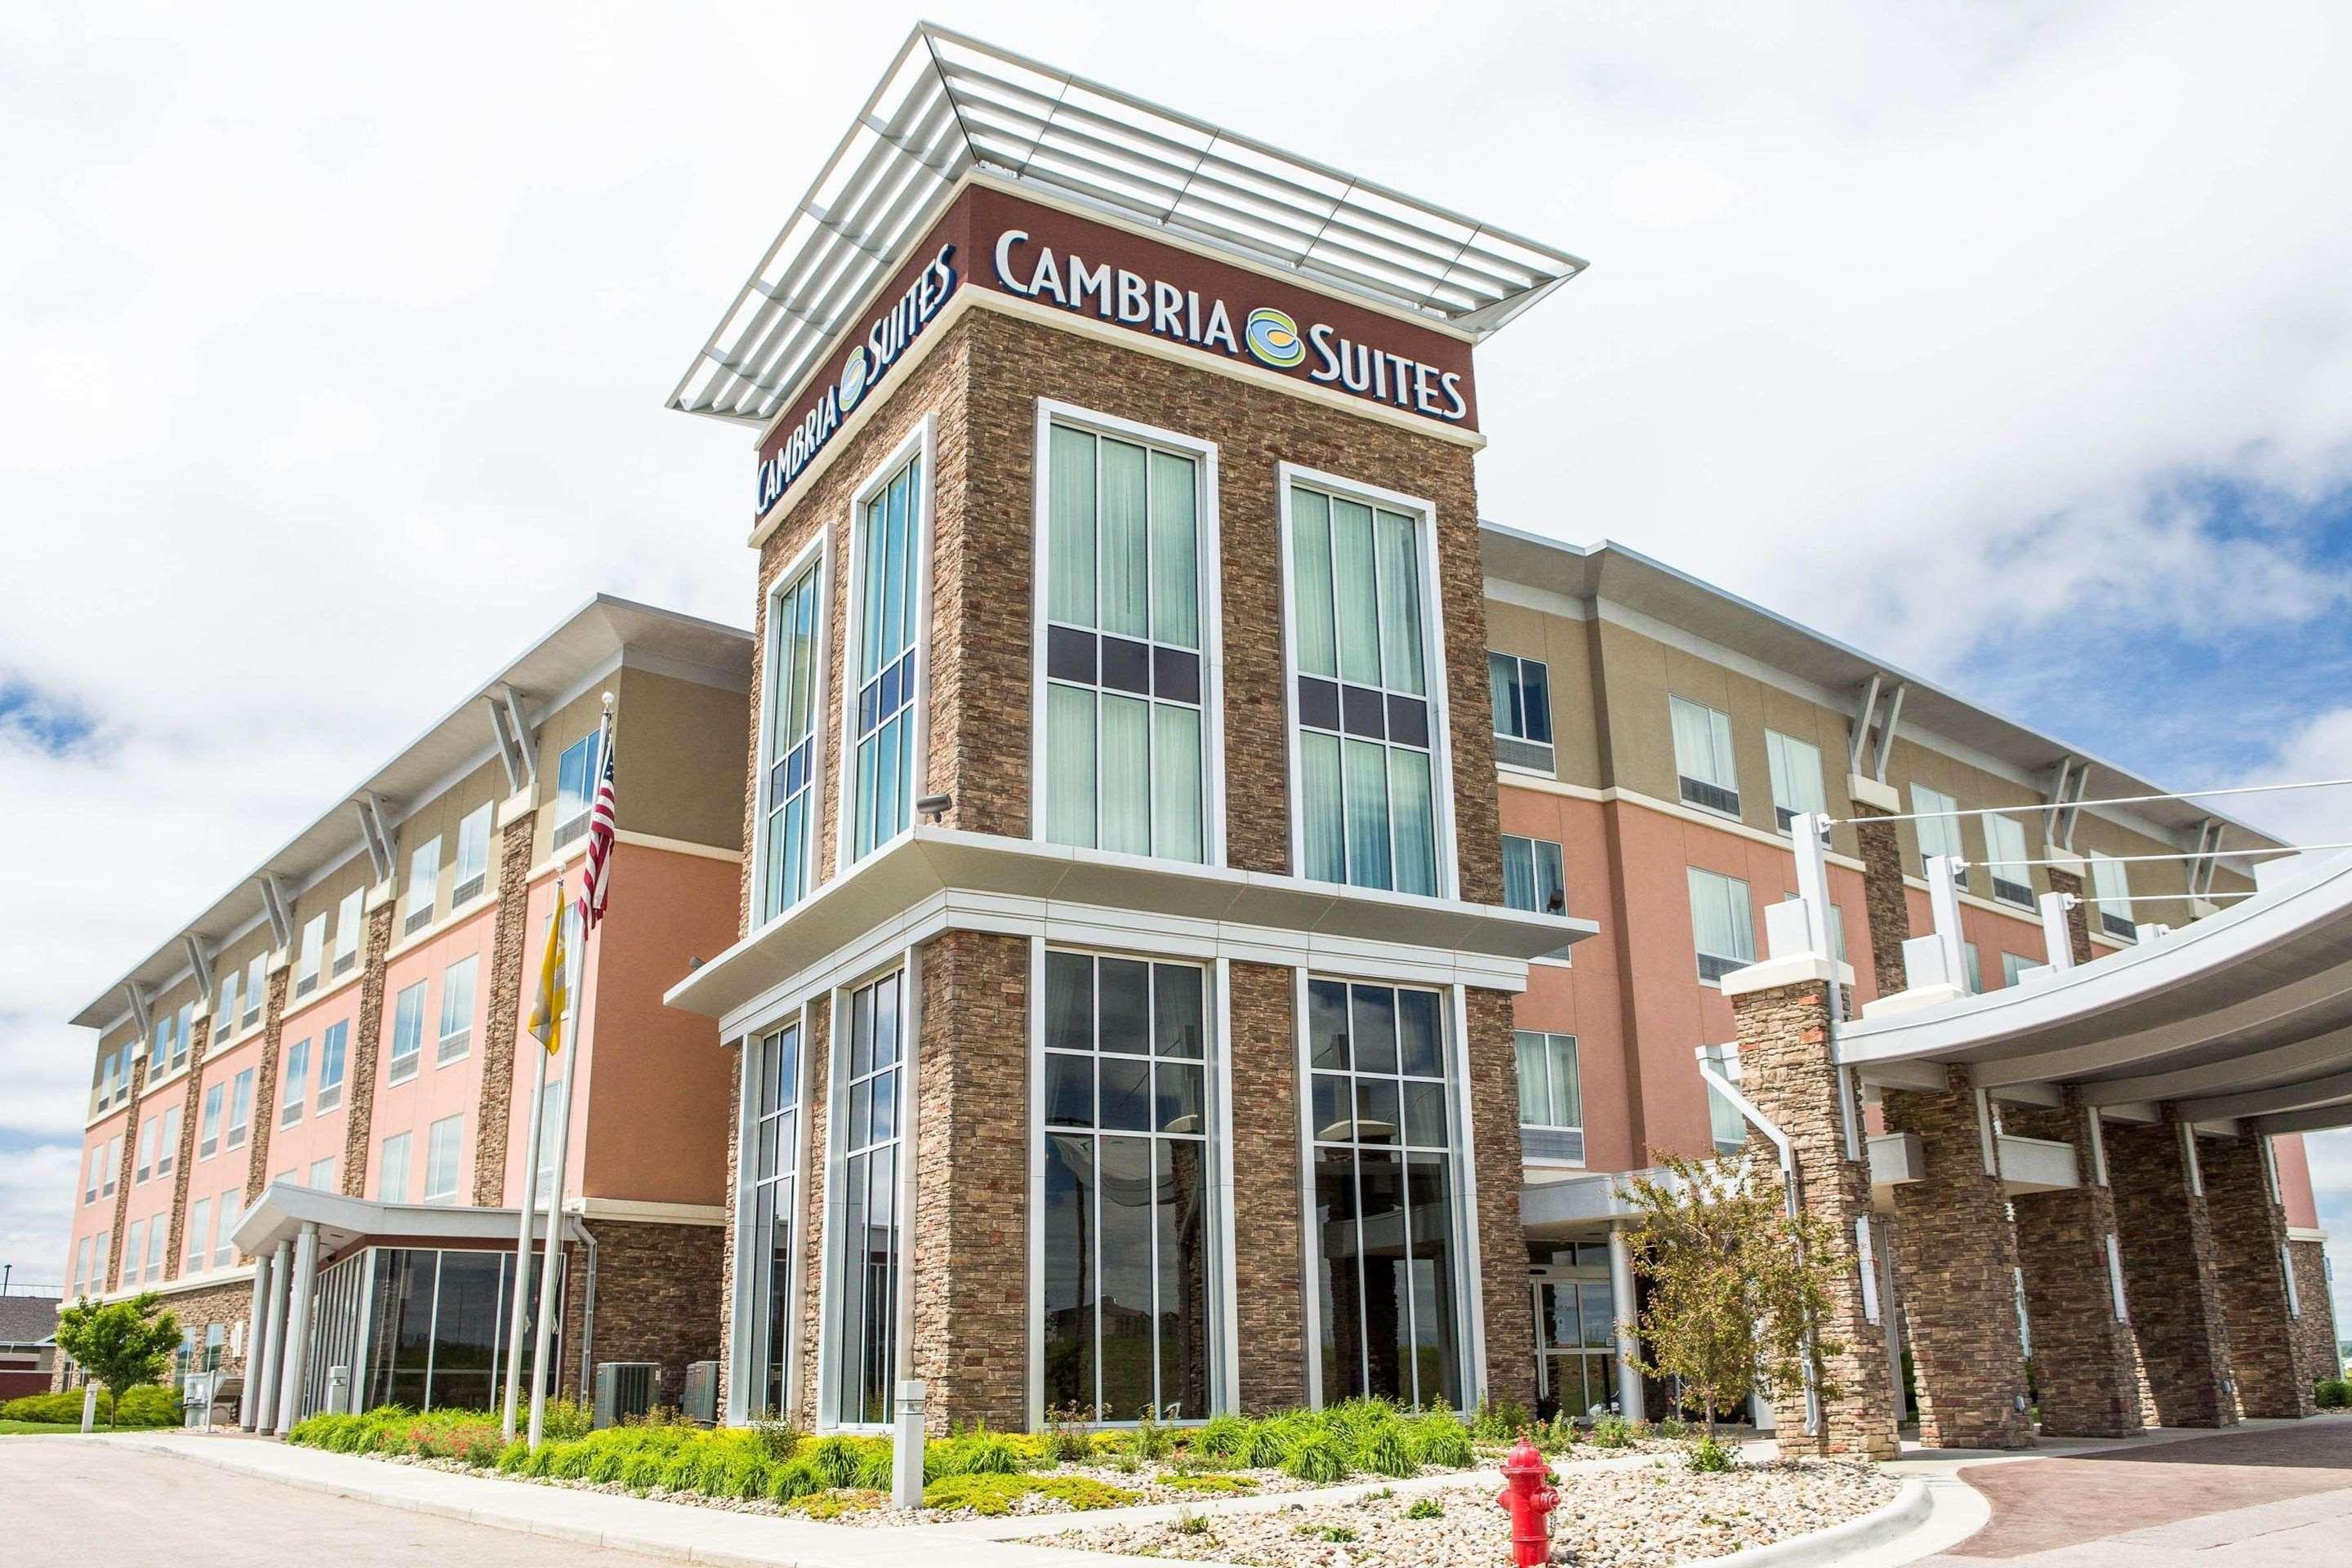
(1268, 1289)
(123, 1174)
(1491, 1061)
(967, 1241)
(264, 1110)
(200, 1035)
(815, 1175)
(367, 1036)
(2317, 1324)
(494, 1114)
(2085, 1365)
(2267, 1357)
(1882, 895)
(2078, 919)
(728, 1236)
(1786, 1069)
(1960, 1260)
(2170, 1286)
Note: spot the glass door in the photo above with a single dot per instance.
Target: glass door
(1576, 1350)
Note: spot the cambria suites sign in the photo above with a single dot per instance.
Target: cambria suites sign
(1128, 282)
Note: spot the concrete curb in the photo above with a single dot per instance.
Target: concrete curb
(1928, 1516)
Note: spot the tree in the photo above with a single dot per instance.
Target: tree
(1739, 1287)
(122, 1344)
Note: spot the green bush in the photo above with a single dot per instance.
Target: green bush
(1498, 1421)
(1613, 1432)
(791, 1480)
(1220, 1437)
(833, 1461)
(565, 1421)
(1316, 1454)
(1438, 1437)
(977, 1453)
(874, 1467)
(1269, 1440)
(1711, 1456)
(1383, 1448)
(2334, 1394)
(151, 1405)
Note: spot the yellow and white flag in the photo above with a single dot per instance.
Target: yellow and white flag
(554, 997)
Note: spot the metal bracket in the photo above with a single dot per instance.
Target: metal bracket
(1865, 715)
(202, 963)
(2067, 793)
(279, 911)
(513, 737)
(136, 995)
(376, 833)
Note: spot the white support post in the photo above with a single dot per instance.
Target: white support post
(293, 1351)
(89, 1408)
(1944, 907)
(1629, 1402)
(250, 1399)
(273, 1337)
(2057, 931)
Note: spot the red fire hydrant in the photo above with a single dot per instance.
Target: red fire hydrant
(1528, 1496)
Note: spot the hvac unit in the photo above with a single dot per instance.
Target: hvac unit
(624, 1389)
(702, 1392)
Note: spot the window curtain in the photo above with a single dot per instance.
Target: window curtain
(1694, 753)
(1070, 527)
(1126, 795)
(1519, 874)
(1176, 831)
(1355, 591)
(1415, 816)
(1069, 765)
(1366, 779)
(1175, 551)
(1124, 544)
(1321, 817)
(1719, 916)
(1311, 555)
(1400, 600)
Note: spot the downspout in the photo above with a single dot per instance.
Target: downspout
(587, 1312)
(1763, 1123)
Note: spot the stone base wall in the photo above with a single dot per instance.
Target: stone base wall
(2171, 1290)
(2317, 1326)
(1269, 1286)
(656, 1300)
(2267, 1356)
(2086, 1376)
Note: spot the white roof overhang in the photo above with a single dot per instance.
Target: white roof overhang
(951, 105)
(283, 1210)
(2243, 1017)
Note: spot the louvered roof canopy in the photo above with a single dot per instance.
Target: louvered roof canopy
(950, 106)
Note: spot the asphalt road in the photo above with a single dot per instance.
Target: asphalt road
(63, 1501)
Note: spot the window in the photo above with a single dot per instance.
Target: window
(392, 1170)
(232, 1209)
(770, 1206)
(442, 1141)
(865, 1242)
(1520, 690)
(1972, 969)
(101, 1254)
(114, 1166)
(1722, 923)
(331, 1046)
(135, 1252)
(167, 1147)
(1387, 1225)
(348, 916)
(2111, 891)
(1123, 753)
(407, 1033)
(1575, 1330)
(882, 698)
(789, 779)
(97, 1171)
(1796, 769)
(2013, 965)
(80, 1286)
(457, 1009)
(1126, 1228)
(1940, 828)
(241, 1108)
(146, 1166)
(224, 1006)
(1532, 875)
(1703, 758)
(1552, 1098)
(575, 788)
(283, 1179)
(314, 948)
(1368, 803)
(473, 869)
(256, 983)
(184, 1032)
(1837, 927)
(1724, 1120)
(320, 1177)
(424, 884)
(293, 1083)
(200, 1236)
(159, 1237)
(2012, 880)
(158, 1054)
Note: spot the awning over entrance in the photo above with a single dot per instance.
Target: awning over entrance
(284, 1209)
(2242, 1021)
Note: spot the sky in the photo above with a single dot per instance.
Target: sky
(2008, 342)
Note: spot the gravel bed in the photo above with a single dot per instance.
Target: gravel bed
(1647, 1516)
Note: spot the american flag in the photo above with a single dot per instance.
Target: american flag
(598, 879)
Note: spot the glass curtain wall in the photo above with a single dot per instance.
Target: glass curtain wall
(791, 745)
(1127, 1231)
(775, 1144)
(419, 1327)
(1387, 1230)
(888, 537)
(866, 1257)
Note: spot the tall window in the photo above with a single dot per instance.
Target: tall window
(80, 1283)
(865, 1255)
(1128, 1238)
(1367, 806)
(1532, 875)
(159, 1237)
(889, 534)
(772, 1205)
(321, 1178)
(232, 1209)
(1796, 768)
(256, 988)
(442, 1140)
(1520, 690)
(794, 657)
(348, 915)
(97, 1164)
(184, 1032)
(2012, 880)
(1123, 709)
(1388, 1227)
(1551, 1096)
(424, 884)
(159, 1055)
(114, 1166)
(1724, 1120)
(146, 1165)
(1722, 923)
(167, 1151)
(331, 1046)
(457, 1009)
(1971, 969)
(293, 1083)
(472, 871)
(576, 773)
(2111, 889)
(224, 1006)
(1939, 827)
(407, 1033)
(1837, 926)
(241, 1108)
(1708, 775)
(313, 954)
(392, 1170)
(134, 1251)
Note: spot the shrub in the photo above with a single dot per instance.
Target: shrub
(977, 1453)
(643, 1472)
(1352, 1416)
(1438, 1438)
(1613, 1432)
(833, 1461)
(1383, 1448)
(149, 1405)
(874, 1467)
(791, 1481)
(2334, 1394)
(565, 1421)
(1498, 1421)
(1269, 1440)
(1220, 1437)
(1066, 1441)
(776, 1438)
(610, 1462)
(1318, 1455)
(1153, 1441)
(513, 1456)
(1711, 1456)
(1426, 1508)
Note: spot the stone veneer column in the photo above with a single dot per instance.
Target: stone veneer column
(1786, 1069)
(123, 1174)
(2086, 1366)
(1882, 897)
(727, 1236)
(2317, 1324)
(2170, 1288)
(367, 1036)
(200, 1036)
(2267, 1358)
(494, 1115)
(967, 1241)
(1269, 1293)
(653, 1303)
(2078, 920)
(264, 1110)
(1491, 1061)
(817, 1074)
(1959, 1262)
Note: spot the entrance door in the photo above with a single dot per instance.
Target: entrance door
(1576, 1331)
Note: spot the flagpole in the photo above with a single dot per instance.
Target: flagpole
(528, 1208)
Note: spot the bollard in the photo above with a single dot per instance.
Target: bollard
(906, 1446)
(89, 1407)
(1527, 1496)
(339, 1390)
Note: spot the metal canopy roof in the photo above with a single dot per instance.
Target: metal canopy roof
(2243, 1016)
(951, 105)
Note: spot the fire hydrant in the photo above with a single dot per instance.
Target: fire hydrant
(1528, 1496)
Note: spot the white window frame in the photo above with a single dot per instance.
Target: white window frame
(225, 1221)
(1441, 717)
(240, 1096)
(2103, 867)
(1932, 806)
(383, 1168)
(1719, 737)
(1788, 778)
(817, 556)
(743, 1372)
(2013, 965)
(399, 1068)
(112, 1172)
(1519, 662)
(443, 1163)
(200, 1235)
(226, 1005)
(1998, 825)
(256, 990)
(330, 1091)
(920, 442)
(424, 877)
(143, 1170)
(134, 1252)
(569, 827)
(1576, 1054)
(455, 1045)
(350, 914)
(325, 1163)
(1208, 563)
(1747, 924)
(211, 1115)
(167, 1148)
(487, 815)
(312, 961)
(294, 1082)
(1535, 867)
